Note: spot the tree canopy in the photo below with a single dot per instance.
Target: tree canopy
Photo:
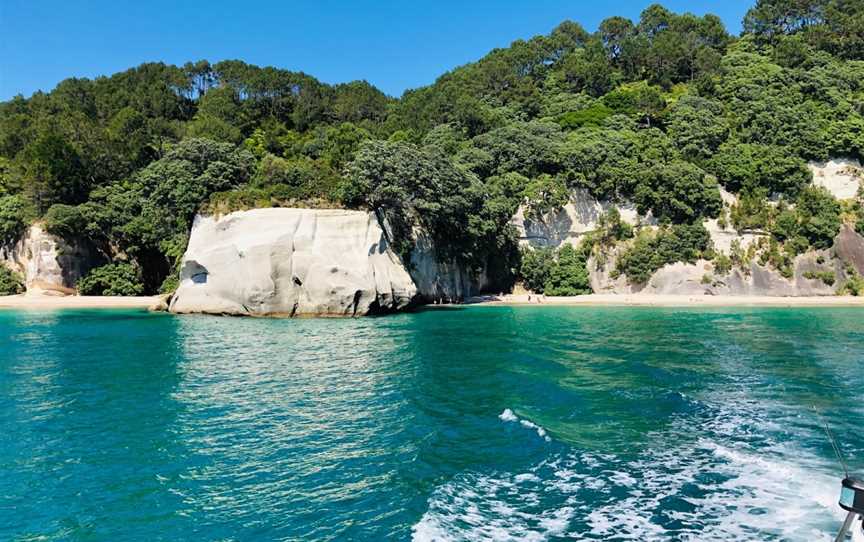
(661, 111)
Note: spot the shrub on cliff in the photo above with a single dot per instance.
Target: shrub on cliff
(818, 216)
(121, 279)
(652, 250)
(66, 221)
(15, 215)
(10, 282)
(561, 272)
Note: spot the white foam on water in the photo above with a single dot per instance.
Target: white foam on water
(509, 416)
(729, 483)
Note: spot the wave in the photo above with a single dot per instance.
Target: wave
(509, 416)
(724, 484)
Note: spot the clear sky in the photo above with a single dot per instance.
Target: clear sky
(395, 45)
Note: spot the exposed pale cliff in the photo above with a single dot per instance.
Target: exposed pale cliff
(581, 216)
(47, 263)
(296, 262)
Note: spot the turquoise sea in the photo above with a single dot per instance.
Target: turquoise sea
(476, 423)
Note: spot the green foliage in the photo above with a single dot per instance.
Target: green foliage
(650, 111)
(65, 221)
(594, 115)
(827, 277)
(832, 25)
(752, 212)
(652, 250)
(412, 187)
(818, 216)
(120, 279)
(544, 194)
(697, 127)
(15, 215)
(854, 283)
(536, 268)
(561, 272)
(11, 282)
(751, 167)
(722, 263)
(569, 275)
(678, 191)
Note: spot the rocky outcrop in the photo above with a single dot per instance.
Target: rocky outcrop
(701, 278)
(570, 223)
(580, 216)
(49, 264)
(840, 176)
(849, 246)
(294, 262)
(291, 262)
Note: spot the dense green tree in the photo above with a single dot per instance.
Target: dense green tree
(52, 172)
(745, 166)
(121, 279)
(10, 282)
(15, 215)
(569, 275)
(678, 191)
(697, 126)
(819, 216)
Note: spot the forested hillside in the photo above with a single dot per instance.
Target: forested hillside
(661, 112)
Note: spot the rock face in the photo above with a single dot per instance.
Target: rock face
(291, 262)
(842, 177)
(569, 223)
(437, 281)
(49, 265)
(580, 216)
(849, 246)
(294, 262)
(700, 279)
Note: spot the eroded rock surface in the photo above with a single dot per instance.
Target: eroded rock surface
(842, 177)
(291, 262)
(571, 222)
(849, 246)
(294, 262)
(49, 265)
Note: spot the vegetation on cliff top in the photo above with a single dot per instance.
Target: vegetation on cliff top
(661, 111)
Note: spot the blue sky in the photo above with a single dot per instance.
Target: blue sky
(393, 45)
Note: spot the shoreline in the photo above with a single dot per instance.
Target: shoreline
(668, 300)
(37, 301)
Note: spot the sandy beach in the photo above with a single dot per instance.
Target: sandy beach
(38, 301)
(25, 301)
(652, 300)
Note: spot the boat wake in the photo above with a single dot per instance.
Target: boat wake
(724, 484)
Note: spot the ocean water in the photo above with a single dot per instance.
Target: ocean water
(476, 423)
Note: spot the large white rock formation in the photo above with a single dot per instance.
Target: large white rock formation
(291, 262)
(48, 264)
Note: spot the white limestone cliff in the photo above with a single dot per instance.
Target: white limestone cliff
(291, 262)
(840, 176)
(48, 264)
(294, 262)
(580, 216)
(569, 223)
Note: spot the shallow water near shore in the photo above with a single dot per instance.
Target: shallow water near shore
(475, 423)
